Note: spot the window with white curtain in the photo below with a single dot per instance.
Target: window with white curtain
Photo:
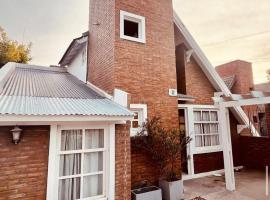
(206, 128)
(82, 164)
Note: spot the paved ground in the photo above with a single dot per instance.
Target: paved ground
(250, 185)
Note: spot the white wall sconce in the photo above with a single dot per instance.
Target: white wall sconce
(16, 134)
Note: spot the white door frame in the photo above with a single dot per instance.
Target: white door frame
(190, 160)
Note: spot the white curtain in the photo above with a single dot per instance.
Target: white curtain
(215, 134)
(205, 116)
(94, 138)
(198, 135)
(69, 189)
(70, 164)
(93, 162)
(197, 116)
(92, 185)
(207, 136)
(214, 116)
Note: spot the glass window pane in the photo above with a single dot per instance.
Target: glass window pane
(215, 140)
(214, 116)
(70, 164)
(93, 162)
(214, 128)
(136, 115)
(207, 140)
(135, 124)
(92, 185)
(94, 138)
(198, 141)
(69, 189)
(205, 116)
(197, 116)
(71, 140)
(197, 129)
(206, 128)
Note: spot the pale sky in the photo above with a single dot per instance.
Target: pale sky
(225, 29)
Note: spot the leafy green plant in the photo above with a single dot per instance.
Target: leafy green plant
(163, 145)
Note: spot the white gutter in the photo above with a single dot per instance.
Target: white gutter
(210, 71)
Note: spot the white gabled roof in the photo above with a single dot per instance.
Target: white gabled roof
(209, 70)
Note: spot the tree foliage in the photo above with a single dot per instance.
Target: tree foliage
(163, 145)
(12, 51)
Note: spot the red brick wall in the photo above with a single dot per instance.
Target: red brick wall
(196, 83)
(122, 163)
(244, 75)
(255, 152)
(147, 71)
(244, 82)
(101, 44)
(24, 166)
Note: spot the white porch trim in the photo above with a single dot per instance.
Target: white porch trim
(48, 120)
(224, 103)
(227, 148)
(52, 171)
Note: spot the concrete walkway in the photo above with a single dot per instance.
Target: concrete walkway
(250, 185)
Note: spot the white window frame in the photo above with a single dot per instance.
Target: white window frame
(207, 148)
(109, 160)
(134, 18)
(142, 117)
(191, 132)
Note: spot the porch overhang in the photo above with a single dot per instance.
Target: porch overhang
(6, 120)
(225, 102)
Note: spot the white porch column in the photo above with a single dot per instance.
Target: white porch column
(52, 170)
(227, 147)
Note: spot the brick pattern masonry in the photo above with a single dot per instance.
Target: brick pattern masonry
(24, 166)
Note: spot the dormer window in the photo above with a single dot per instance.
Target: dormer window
(132, 27)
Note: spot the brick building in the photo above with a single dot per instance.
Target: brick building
(238, 76)
(141, 58)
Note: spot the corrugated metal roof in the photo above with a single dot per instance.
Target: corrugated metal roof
(22, 105)
(45, 91)
(45, 83)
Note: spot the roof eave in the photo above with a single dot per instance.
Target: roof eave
(78, 40)
(208, 69)
(42, 119)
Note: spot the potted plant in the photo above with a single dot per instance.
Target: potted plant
(165, 147)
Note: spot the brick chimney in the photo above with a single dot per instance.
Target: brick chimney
(132, 48)
(243, 75)
(144, 67)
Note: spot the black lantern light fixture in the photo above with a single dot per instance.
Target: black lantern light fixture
(16, 134)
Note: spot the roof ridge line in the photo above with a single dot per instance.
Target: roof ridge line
(42, 68)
